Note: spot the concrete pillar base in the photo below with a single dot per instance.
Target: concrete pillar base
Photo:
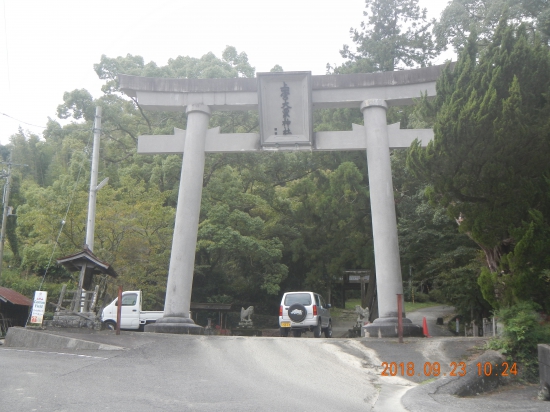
(177, 325)
(387, 328)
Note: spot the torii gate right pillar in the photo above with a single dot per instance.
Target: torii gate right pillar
(384, 224)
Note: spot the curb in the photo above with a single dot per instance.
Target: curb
(18, 337)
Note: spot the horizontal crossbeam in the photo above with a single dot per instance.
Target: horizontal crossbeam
(330, 91)
(217, 142)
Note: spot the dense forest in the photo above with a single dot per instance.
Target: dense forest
(473, 207)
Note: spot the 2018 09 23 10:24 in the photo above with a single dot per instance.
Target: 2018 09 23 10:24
(455, 369)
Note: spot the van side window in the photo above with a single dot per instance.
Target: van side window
(129, 300)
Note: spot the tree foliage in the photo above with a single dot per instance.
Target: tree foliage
(395, 35)
(487, 164)
(461, 17)
(253, 212)
(272, 222)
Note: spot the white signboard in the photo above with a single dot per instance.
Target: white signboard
(286, 119)
(39, 307)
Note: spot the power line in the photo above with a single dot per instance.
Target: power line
(30, 124)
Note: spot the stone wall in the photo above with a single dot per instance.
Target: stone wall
(73, 320)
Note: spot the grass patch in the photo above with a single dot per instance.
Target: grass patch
(411, 307)
(336, 312)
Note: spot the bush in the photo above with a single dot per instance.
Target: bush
(523, 330)
(437, 295)
(421, 297)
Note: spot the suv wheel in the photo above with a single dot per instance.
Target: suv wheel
(284, 332)
(317, 330)
(297, 312)
(328, 330)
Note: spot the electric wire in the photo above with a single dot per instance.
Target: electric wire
(21, 121)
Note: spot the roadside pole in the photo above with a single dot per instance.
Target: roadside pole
(6, 211)
(92, 196)
(400, 317)
(119, 310)
(90, 224)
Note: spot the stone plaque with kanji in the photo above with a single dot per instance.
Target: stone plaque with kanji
(286, 120)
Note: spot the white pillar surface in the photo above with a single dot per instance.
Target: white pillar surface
(90, 225)
(182, 259)
(384, 223)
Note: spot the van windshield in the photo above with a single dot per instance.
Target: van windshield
(301, 298)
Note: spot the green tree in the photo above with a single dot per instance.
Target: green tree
(460, 17)
(487, 163)
(237, 253)
(395, 35)
(331, 210)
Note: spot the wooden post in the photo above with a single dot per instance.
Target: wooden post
(343, 294)
(119, 310)
(61, 297)
(364, 303)
(72, 307)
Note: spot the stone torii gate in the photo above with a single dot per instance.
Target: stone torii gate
(285, 102)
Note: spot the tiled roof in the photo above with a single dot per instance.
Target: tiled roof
(14, 297)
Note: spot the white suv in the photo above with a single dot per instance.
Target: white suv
(303, 311)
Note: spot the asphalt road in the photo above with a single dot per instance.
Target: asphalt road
(177, 373)
(158, 372)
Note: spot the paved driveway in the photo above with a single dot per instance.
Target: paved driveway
(193, 373)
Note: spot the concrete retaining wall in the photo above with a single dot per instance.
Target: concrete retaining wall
(75, 320)
(19, 337)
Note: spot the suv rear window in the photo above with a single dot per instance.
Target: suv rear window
(301, 298)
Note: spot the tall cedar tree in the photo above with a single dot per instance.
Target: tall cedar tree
(396, 35)
(488, 163)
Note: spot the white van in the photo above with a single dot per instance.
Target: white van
(304, 311)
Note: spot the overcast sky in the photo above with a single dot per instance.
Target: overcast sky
(48, 47)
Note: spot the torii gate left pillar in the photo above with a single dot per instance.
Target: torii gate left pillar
(371, 92)
(177, 303)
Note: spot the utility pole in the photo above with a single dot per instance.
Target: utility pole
(94, 188)
(6, 208)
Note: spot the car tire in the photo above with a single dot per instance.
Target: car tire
(297, 333)
(284, 332)
(297, 312)
(110, 325)
(328, 330)
(317, 330)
